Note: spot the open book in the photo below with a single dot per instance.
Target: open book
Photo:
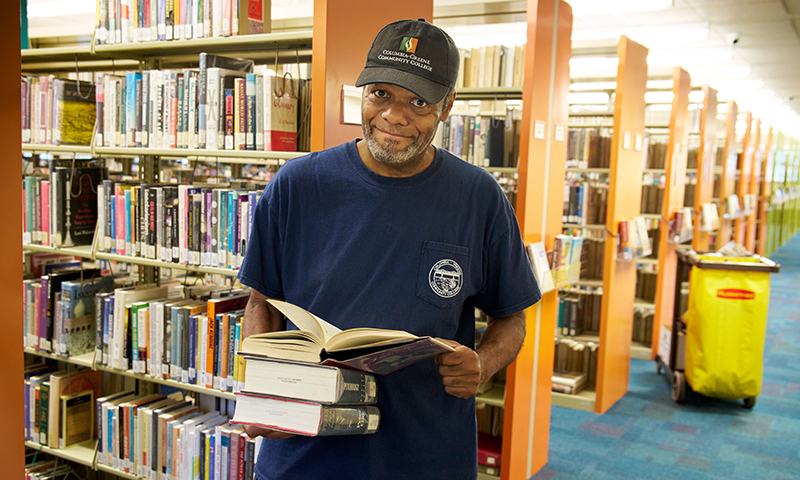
(371, 350)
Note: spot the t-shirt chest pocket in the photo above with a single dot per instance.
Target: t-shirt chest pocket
(443, 273)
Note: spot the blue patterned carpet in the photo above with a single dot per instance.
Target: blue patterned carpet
(648, 436)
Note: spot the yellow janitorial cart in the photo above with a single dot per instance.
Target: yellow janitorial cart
(717, 345)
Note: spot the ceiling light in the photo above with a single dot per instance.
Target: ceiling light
(658, 97)
(711, 72)
(61, 8)
(653, 36)
(594, 7)
(592, 86)
(696, 96)
(686, 57)
(584, 98)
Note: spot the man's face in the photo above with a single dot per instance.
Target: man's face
(398, 125)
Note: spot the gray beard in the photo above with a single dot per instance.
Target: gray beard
(394, 157)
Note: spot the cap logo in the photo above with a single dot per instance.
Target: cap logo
(409, 44)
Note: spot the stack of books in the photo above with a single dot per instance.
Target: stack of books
(318, 380)
(568, 382)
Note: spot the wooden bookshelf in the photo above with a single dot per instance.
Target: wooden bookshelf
(87, 360)
(539, 208)
(744, 168)
(706, 160)
(764, 190)
(676, 157)
(728, 176)
(83, 453)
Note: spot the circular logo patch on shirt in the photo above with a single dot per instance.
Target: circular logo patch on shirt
(446, 278)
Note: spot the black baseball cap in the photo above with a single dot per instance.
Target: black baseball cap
(415, 55)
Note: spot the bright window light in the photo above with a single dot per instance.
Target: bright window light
(592, 63)
(475, 36)
(595, 7)
(60, 8)
(659, 84)
(588, 98)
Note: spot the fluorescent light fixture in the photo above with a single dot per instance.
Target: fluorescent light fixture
(658, 97)
(592, 86)
(696, 96)
(584, 98)
(593, 63)
(475, 36)
(595, 7)
(716, 72)
(60, 8)
(687, 57)
(652, 36)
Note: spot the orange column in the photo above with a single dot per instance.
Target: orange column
(673, 201)
(542, 164)
(728, 178)
(755, 181)
(12, 401)
(706, 160)
(624, 202)
(343, 32)
(766, 191)
(744, 168)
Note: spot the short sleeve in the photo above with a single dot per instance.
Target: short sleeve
(262, 264)
(510, 285)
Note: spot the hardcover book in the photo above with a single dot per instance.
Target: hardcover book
(370, 350)
(315, 383)
(305, 418)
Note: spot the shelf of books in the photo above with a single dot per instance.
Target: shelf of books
(674, 215)
(82, 453)
(763, 190)
(782, 192)
(728, 159)
(744, 169)
(601, 202)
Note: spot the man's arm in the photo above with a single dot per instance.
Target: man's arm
(261, 317)
(464, 369)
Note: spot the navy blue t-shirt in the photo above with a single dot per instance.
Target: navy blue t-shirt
(416, 254)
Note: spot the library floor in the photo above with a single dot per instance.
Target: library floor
(648, 436)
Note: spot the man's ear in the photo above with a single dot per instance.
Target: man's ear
(447, 106)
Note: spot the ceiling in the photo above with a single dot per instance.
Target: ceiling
(748, 49)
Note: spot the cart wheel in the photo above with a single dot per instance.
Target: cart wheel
(749, 402)
(679, 387)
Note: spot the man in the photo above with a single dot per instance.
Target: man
(391, 232)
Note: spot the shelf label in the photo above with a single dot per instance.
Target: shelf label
(560, 133)
(539, 129)
(637, 142)
(626, 140)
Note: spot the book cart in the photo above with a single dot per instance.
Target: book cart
(615, 279)
(329, 47)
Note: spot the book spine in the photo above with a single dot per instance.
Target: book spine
(349, 420)
(250, 111)
(231, 350)
(240, 127)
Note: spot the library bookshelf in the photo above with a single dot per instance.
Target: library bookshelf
(627, 119)
(727, 179)
(675, 173)
(329, 47)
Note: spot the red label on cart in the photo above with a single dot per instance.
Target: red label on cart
(736, 294)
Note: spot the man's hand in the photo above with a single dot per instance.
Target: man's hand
(254, 432)
(460, 370)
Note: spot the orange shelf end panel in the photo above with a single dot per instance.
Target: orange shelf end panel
(542, 163)
(767, 166)
(706, 159)
(755, 181)
(624, 202)
(745, 169)
(12, 402)
(343, 31)
(673, 201)
(727, 180)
